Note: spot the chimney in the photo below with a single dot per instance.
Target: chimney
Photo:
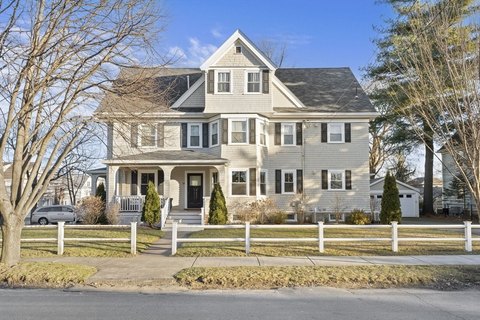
(188, 82)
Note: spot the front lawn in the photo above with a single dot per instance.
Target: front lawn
(145, 237)
(331, 248)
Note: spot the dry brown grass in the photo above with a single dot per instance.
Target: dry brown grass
(44, 274)
(439, 277)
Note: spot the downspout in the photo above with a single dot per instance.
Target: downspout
(304, 127)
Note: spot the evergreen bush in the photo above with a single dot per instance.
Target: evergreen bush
(390, 201)
(151, 207)
(358, 217)
(100, 192)
(218, 208)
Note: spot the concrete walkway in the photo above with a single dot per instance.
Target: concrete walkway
(156, 264)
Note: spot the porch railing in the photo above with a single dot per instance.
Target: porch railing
(130, 203)
(166, 207)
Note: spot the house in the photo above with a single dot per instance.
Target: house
(419, 183)
(409, 198)
(258, 130)
(456, 198)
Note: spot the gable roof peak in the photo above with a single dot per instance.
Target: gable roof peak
(238, 35)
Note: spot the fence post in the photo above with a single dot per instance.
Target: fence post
(321, 246)
(133, 238)
(174, 237)
(394, 236)
(247, 237)
(468, 236)
(60, 237)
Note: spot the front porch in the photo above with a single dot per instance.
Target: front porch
(181, 184)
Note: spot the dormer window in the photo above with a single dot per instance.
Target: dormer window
(238, 49)
(223, 82)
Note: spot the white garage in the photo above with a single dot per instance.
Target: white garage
(409, 197)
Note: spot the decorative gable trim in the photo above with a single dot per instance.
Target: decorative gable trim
(237, 35)
(283, 89)
(189, 92)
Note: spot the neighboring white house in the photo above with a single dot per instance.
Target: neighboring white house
(409, 198)
(455, 197)
(258, 130)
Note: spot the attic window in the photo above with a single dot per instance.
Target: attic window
(238, 49)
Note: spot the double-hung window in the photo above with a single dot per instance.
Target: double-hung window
(239, 182)
(253, 81)
(262, 132)
(288, 181)
(148, 135)
(194, 135)
(288, 134)
(238, 133)
(335, 132)
(336, 180)
(263, 182)
(223, 82)
(214, 133)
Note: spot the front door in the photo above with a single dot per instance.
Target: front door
(194, 190)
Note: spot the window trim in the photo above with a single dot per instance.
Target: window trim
(294, 172)
(210, 133)
(282, 133)
(139, 135)
(230, 131)
(247, 182)
(265, 171)
(330, 172)
(189, 134)
(216, 81)
(342, 126)
(247, 71)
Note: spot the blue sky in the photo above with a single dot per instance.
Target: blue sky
(318, 33)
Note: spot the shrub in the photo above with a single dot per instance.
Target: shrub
(218, 212)
(390, 210)
(259, 212)
(358, 217)
(151, 207)
(279, 217)
(112, 213)
(100, 192)
(91, 210)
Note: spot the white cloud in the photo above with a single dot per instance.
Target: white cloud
(216, 33)
(196, 53)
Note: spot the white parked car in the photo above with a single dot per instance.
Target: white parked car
(51, 214)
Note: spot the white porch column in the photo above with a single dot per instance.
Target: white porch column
(111, 182)
(93, 187)
(222, 174)
(167, 172)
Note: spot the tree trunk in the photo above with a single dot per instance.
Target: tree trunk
(11, 235)
(428, 175)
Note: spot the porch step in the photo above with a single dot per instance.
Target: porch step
(184, 217)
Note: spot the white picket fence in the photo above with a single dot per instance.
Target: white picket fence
(60, 239)
(321, 239)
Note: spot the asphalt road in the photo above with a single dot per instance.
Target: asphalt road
(318, 303)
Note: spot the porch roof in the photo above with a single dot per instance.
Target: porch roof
(168, 157)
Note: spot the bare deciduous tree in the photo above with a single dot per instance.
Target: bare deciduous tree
(275, 51)
(443, 56)
(55, 58)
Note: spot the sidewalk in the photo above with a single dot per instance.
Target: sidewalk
(156, 264)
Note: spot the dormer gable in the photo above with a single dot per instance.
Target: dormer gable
(240, 51)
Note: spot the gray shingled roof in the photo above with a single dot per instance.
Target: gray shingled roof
(171, 156)
(325, 89)
(148, 90)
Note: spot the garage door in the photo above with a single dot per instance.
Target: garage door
(407, 203)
